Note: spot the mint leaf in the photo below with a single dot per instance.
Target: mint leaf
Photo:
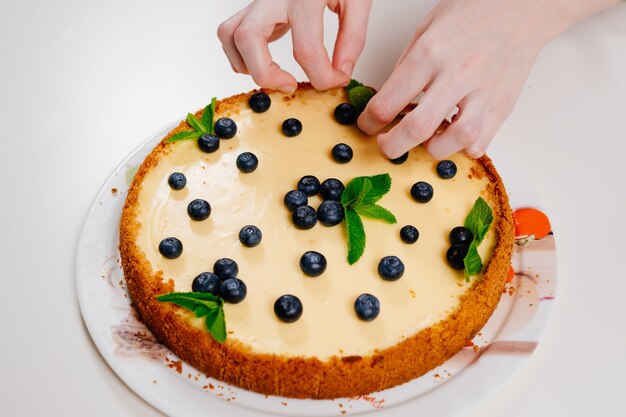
(209, 114)
(216, 324)
(186, 135)
(356, 236)
(203, 305)
(356, 190)
(478, 222)
(194, 122)
(359, 96)
(472, 261)
(381, 184)
(358, 199)
(376, 212)
(353, 83)
(479, 219)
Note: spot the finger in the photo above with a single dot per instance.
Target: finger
(493, 121)
(307, 31)
(353, 20)
(225, 33)
(251, 39)
(404, 84)
(421, 123)
(465, 131)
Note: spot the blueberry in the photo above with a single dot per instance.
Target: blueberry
(294, 199)
(332, 189)
(401, 159)
(225, 268)
(346, 113)
(225, 128)
(199, 209)
(177, 180)
(456, 254)
(330, 213)
(422, 192)
(206, 282)
(250, 236)
(367, 307)
(342, 153)
(461, 234)
(409, 234)
(208, 143)
(259, 102)
(313, 263)
(304, 217)
(309, 185)
(446, 169)
(233, 290)
(171, 248)
(247, 162)
(288, 308)
(390, 268)
(292, 127)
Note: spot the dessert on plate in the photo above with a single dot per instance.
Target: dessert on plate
(268, 243)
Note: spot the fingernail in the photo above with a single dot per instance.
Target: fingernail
(289, 89)
(347, 68)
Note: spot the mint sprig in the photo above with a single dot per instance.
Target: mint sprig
(359, 94)
(204, 305)
(478, 222)
(359, 199)
(199, 126)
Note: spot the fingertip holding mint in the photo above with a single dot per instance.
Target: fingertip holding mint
(199, 126)
(206, 305)
(478, 222)
(359, 199)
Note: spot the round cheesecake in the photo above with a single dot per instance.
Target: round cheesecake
(425, 316)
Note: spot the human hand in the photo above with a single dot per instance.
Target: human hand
(472, 54)
(246, 35)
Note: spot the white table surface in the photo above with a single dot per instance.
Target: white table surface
(82, 83)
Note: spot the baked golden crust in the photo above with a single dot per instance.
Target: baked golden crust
(309, 377)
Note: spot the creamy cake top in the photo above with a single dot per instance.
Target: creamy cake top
(428, 291)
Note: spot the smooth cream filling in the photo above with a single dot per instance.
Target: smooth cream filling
(427, 293)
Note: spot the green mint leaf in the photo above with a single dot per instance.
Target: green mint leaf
(356, 236)
(376, 212)
(354, 193)
(381, 184)
(353, 83)
(216, 325)
(472, 261)
(208, 115)
(201, 311)
(196, 123)
(203, 305)
(186, 135)
(359, 96)
(479, 219)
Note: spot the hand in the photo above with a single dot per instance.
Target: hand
(472, 54)
(246, 35)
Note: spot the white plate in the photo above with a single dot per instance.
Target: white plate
(177, 389)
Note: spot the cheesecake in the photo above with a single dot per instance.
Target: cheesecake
(327, 348)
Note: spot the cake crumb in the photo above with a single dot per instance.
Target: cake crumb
(114, 191)
(178, 365)
(284, 403)
(412, 293)
(211, 386)
(154, 381)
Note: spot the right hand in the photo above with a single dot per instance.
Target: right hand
(245, 37)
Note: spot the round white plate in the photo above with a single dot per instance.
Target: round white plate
(177, 389)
